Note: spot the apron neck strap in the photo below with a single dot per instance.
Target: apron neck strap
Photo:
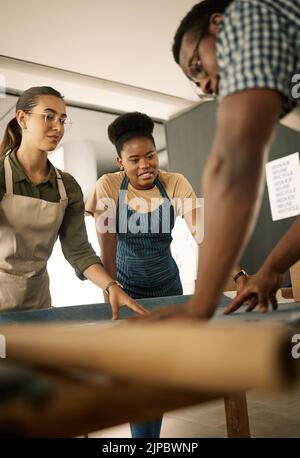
(61, 186)
(124, 184)
(122, 191)
(8, 176)
(161, 188)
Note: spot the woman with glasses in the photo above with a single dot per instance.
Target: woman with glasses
(38, 203)
(135, 210)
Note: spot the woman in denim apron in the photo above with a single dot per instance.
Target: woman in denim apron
(139, 254)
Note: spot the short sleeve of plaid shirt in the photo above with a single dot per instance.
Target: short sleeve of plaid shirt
(258, 46)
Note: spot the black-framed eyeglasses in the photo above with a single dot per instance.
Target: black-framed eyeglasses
(196, 72)
(194, 63)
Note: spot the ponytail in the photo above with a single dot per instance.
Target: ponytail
(12, 138)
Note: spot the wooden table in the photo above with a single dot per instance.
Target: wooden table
(85, 401)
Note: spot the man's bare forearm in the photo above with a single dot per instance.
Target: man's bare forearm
(228, 226)
(232, 187)
(287, 250)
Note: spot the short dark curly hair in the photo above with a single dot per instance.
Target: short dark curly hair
(128, 126)
(197, 22)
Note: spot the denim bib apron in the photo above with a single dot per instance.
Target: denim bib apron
(144, 263)
(145, 266)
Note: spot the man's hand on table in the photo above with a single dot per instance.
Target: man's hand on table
(259, 290)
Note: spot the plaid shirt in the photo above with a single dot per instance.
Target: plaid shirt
(259, 47)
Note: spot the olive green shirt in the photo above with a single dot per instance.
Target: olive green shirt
(72, 232)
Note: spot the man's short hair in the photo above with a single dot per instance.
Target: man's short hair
(197, 21)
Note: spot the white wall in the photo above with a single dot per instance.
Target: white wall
(80, 161)
(127, 41)
(65, 287)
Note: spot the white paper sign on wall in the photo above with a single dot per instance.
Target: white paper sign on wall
(283, 180)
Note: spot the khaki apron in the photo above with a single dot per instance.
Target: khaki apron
(28, 230)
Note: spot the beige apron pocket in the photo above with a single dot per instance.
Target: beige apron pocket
(9, 247)
(18, 292)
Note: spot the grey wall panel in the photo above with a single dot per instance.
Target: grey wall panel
(189, 139)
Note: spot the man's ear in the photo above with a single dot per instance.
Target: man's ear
(214, 22)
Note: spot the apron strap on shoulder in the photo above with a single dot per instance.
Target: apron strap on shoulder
(61, 186)
(8, 176)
